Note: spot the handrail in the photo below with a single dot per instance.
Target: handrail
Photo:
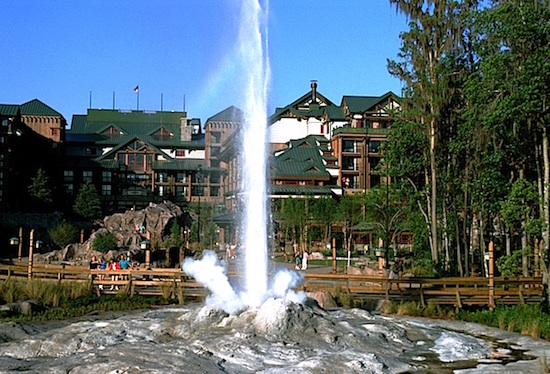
(450, 290)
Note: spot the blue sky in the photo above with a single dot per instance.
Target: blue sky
(184, 50)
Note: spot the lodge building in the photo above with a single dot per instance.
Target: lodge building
(134, 157)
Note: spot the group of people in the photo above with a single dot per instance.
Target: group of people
(123, 263)
(301, 260)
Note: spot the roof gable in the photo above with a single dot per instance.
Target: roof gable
(36, 107)
(303, 158)
(361, 104)
(230, 114)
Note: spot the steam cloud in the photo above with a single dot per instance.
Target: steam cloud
(213, 275)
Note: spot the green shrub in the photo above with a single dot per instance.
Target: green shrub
(423, 267)
(105, 242)
(64, 233)
(510, 266)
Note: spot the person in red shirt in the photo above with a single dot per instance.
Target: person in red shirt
(113, 265)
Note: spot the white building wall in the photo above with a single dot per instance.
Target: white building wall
(287, 129)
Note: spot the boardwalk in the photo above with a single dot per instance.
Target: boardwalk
(453, 291)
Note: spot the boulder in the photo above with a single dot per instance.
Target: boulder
(25, 307)
(323, 298)
(130, 229)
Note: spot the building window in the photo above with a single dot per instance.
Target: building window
(348, 146)
(181, 191)
(216, 137)
(106, 177)
(215, 179)
(214, 191)
(374, 161)
(181, 177)
(161, 190)
(87, 176)
(54, 131)
(374, 146)
(68, 175)
(91, 151)
(162, 177)
(69, 189)
(106, 190)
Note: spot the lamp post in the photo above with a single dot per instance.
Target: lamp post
(146, 246)
(32, 244)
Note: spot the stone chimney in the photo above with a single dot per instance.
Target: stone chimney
(314, 91)
(186, 130)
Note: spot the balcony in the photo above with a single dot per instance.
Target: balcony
(360, 130)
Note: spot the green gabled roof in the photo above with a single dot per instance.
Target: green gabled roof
(131, 124)
(179, 164)
(360, 104)
(231, 114)
(293, 189)
(294, 108)
(110, 164)
(134, 116)
(78, 124)
(303, 158)
(335, 112)
(124, 143)
(8, 109)
(38, 108)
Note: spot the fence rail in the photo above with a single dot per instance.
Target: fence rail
(454, 291)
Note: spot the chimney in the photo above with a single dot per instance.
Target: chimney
(185, 135)
(314, 91)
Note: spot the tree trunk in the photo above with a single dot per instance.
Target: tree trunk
(433, 228)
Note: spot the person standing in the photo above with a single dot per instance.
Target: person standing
(94, 263)
(305, 256)
(113, 265)
(124, 264)
(101, 266)
(298, 261)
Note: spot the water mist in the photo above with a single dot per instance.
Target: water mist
(256, 288)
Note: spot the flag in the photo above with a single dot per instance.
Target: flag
(136, 89)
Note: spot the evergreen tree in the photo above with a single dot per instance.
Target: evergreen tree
(40, 189)
(87, 202)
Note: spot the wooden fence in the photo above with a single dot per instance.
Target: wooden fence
(457, 291)
(454, 291)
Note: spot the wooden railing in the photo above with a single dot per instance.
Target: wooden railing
(457, 291)
(155, 281)
(454, 291)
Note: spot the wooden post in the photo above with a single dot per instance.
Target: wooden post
(537, 273)
(334, 256)
(31, 245)
(82, 236)
(148, 252)
(491, 277)
(380, 258)
(20, 251)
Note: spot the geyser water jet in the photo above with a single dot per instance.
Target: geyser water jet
(255, 290)
(253, 183)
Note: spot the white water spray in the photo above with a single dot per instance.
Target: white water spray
(254, 57)
(256, 288)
